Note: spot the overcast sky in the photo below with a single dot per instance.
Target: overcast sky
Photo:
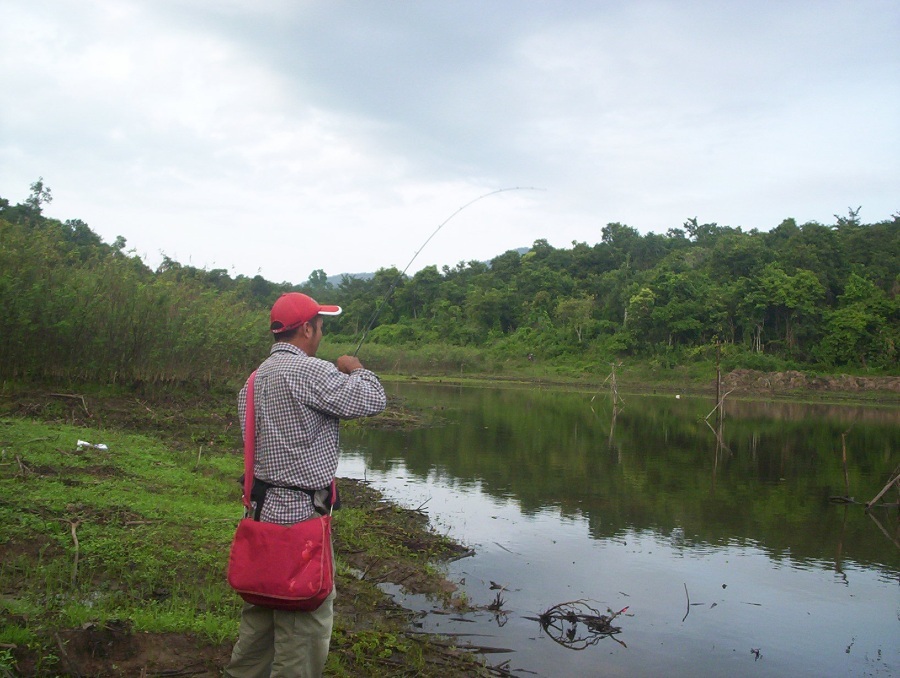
(283, 136)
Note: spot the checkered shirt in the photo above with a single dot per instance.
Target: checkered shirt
(299, 402)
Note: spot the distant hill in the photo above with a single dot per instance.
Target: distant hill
(336, 279)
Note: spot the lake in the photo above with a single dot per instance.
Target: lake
(723, 543)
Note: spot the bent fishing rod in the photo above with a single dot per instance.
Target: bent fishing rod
(396, 281)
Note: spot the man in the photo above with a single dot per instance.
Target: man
(299, 400)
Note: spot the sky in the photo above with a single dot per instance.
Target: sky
(280, 137)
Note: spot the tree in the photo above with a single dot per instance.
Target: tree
(420, 292)
(619, 241)
(851, 220)
(686, 307)
(638, 314)
(317, 284)
(505, 266)
(575, 313)
(40, 195)
(792, 298)
(860, 331)
(738, 256)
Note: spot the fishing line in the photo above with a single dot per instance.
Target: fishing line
(434, 233)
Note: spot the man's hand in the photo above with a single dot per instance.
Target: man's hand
(348, 363)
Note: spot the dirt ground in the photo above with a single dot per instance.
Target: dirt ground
(760, 383)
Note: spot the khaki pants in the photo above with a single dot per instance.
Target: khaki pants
(280, 643)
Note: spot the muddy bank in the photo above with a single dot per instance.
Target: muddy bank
(753, 382)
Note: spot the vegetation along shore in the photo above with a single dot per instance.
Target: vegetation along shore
(112, 558)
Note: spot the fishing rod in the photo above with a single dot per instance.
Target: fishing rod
(434, 233)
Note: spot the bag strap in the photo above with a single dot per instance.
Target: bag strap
(249, 442)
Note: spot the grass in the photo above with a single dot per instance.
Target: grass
(136, 537)
(131, 533)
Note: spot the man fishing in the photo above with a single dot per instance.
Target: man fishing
(299, 402)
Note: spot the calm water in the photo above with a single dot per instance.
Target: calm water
(563, 501)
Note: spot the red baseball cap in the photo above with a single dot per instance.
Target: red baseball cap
(292, 309)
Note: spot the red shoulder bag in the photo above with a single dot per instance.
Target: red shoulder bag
(286, 567)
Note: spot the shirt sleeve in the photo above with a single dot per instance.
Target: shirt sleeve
(347, 396)
(242, 408)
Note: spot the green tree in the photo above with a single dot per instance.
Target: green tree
(862, 330)
(317, 285)
(792, 299)
(420, 293)
(40, 195)
(575, 314)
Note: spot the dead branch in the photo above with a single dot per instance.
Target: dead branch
(576, 625)
(883, 531)
(37, 440)
(497, 604)
(718, 437)
(75, 396)
(892, 481)
(74, 525)
(506, 549)
(719, 404)
(369, 566)
(23, 467)
(466, 554)
(73, 669)
(688, 603)
(844, 461)
(144, 405)
(194, 669)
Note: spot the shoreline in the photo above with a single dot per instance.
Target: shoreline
(377, 541)
(882, 391)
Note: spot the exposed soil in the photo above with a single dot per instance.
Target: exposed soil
(754, 382)
(114, 649)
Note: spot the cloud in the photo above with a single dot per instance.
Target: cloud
(283, 137)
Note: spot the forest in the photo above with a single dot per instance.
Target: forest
(805, 296)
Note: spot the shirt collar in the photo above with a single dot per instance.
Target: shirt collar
(283, 346)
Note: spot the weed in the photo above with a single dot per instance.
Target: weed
(8, 666)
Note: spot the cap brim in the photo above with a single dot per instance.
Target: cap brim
(329, 310)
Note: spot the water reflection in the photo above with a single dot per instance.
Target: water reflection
(566, 496)
(656, 463)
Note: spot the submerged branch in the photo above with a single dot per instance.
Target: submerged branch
(895, 480)
(576, 625)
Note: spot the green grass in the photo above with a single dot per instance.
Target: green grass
(136, 532)
(138, 535)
